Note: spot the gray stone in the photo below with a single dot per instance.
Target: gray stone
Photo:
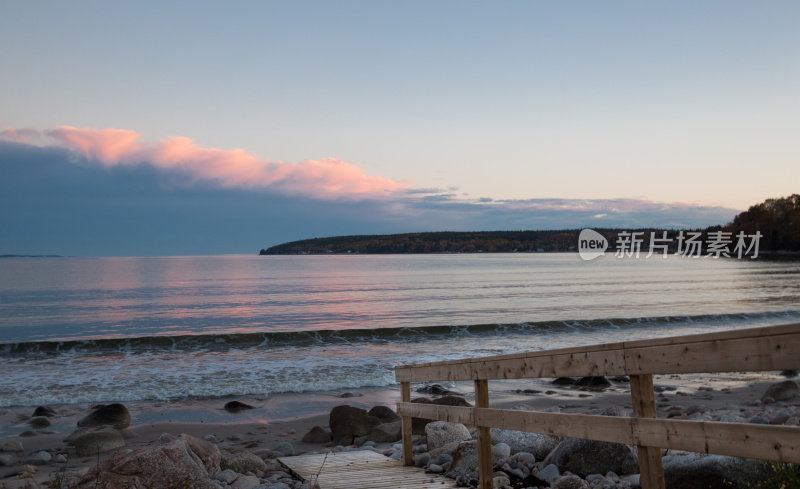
(246, 482)
(38, 458)
(692, 470)
(94, 442)
(537, 444)
(115, 415)
(500, 481)
(7, 460)
(70, 439)
(435, 468)
(549, 473)
(386, 432)
(782, 391)
(570, 482)
(39, 422)
(441, 433)
(227, 476)
(210, 438)
(284, 448)
(243, 462)
(44, 411)
(348, 422)
(422, 459)
(12, 446)
(317, 434)
(465, 456)
(278, 485)
(501, 450)
(385, 414)
(584, 457)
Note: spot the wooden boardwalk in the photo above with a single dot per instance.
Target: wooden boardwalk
(363, 469)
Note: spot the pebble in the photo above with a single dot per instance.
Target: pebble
(12, 446)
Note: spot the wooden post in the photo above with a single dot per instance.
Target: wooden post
(644, 406)
(408, 448)
(485, 468)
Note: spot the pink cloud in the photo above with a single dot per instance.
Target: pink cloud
(327, 178)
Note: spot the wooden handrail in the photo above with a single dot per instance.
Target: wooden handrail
(755, 349)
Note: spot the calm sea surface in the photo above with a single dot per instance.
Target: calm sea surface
(98, 329)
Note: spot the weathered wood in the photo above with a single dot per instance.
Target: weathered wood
(485, 469)
(453, 414)
(602, 428)
(408, 448)
(363, 469)
(644, 406)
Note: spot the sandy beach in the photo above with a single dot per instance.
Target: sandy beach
(288, 417)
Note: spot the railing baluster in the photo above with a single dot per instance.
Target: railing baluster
(644, 406)
(405, 396)
(485, 468)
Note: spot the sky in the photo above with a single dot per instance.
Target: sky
(147, 128)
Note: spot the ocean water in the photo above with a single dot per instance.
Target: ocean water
(77, 330)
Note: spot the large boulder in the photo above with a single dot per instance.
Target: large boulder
(519, 441)
(418, 424)
(692, 470)
(91, 443)
(348, 422)
(441, 433)
(317, 434)
(386, 432)
(782, 391)
(185, 462)
(115, 415)
(584, 457)
(385, 414)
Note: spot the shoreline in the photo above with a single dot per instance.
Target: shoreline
(288, 417)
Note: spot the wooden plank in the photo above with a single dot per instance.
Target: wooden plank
(363, 469)
(406, 424)
(643, 356)
(644, 406)
(453, 414)
(485, 469)
(602, 428)
(780, 352)
(778, 443)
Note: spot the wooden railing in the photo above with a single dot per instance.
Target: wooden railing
(748, 350)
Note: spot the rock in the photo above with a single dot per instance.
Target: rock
(12, 446)
(435, 468)
(317, 434)
(386, 432)
(70, 439)
(563, 381)
(782, 391)
(440, 433)
(593, 382)
(115, 415)
(185, 462)
(789, 373)
(7, 460)
(211, 438)
(465, 456)
(348, 422)
(44, 411)
(166, 438)
(93, 442)
(436, 390)
(422, 459)
(246, 482)
(549, 473)
(385, 414)
(345, 395)
(38, 458)
(620, 378)
(759, 420)
(285, 448)
(570, 482)
(519, 441)
(584, 457)
(500, 481)
(227, 476)
(418, 424)
(692, 470)
(501, 451)
(60, 458)
(237, 406)
(242, 463)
